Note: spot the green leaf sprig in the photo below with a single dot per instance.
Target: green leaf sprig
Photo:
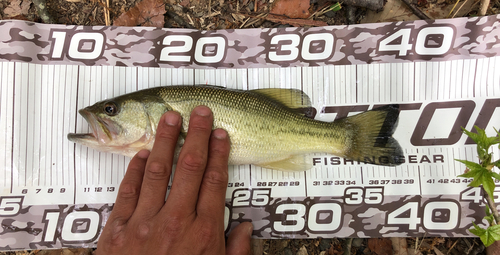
(483, 174)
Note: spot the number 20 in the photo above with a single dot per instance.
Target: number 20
(202, 53)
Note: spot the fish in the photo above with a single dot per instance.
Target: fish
(266, 127)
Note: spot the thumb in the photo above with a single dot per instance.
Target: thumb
(238, 242)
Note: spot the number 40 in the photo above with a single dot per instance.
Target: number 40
(422, 45)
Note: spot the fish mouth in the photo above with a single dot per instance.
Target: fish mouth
(100, 131)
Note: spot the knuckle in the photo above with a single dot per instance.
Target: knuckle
(143, 230)
(174, 225)
(166, 135)
(114, 232)
(193, 162)
(220, 151)
(158, 171)
(208, 234)
(200, 123)
(203, 126)
(128, 190)
(216, 178)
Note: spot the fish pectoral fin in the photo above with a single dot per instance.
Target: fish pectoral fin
(292, 98)
(293, 163)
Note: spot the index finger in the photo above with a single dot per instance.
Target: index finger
(192, 162)
(159, 166)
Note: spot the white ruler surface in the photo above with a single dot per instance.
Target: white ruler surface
(54, 193)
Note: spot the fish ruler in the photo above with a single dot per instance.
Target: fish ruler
(442, 73)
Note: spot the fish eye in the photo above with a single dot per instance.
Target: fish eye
(111, 109)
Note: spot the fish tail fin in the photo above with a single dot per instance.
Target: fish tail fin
(371, 140)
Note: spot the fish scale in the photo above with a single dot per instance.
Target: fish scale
(277, 131)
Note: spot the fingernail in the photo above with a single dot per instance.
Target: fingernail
(220, 134)
(172, 118)
(250, 229)
(202, 111)
(144, 154)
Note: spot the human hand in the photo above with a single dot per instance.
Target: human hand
(191, 220)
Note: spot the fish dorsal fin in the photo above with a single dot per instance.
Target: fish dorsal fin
(292, 98)
(293, 163)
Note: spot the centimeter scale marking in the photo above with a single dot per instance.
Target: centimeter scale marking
(49, 105)
(37, 114)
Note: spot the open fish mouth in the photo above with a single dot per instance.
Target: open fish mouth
(100, 133)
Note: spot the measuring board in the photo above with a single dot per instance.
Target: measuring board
(442, 73)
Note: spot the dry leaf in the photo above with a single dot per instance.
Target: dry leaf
(380, 246)
(148, 13)
(399, 245)
(295, 9)
(16, 8)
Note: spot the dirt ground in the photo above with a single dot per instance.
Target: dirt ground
(220, 14)
(374, 246)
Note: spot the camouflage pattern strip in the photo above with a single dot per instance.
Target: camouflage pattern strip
(397, 42)
(56, 226)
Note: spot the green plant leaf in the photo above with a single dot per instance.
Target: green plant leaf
(480, 174)
(474, 136)
(478, 231)
(483, 143)
(495, 175)
(489, 217)
(335, 7)
(497, 163)
(490, 235)
(488, 183)
(498, 135)
(472, 166)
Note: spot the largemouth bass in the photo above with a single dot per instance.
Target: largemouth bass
(265, 126)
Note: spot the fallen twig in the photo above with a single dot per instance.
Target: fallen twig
(41, 7)
(106, 14)
(178, 19)
(449, 250)
(417, 244)
(257, 246)
(415, 10)
(399, 245)
(324, 9)
(190, 20)
(453, 8)
(484, 7)
(295, 22)
(244, 22)
(347, 247)
(459, 8)
(254, 19)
